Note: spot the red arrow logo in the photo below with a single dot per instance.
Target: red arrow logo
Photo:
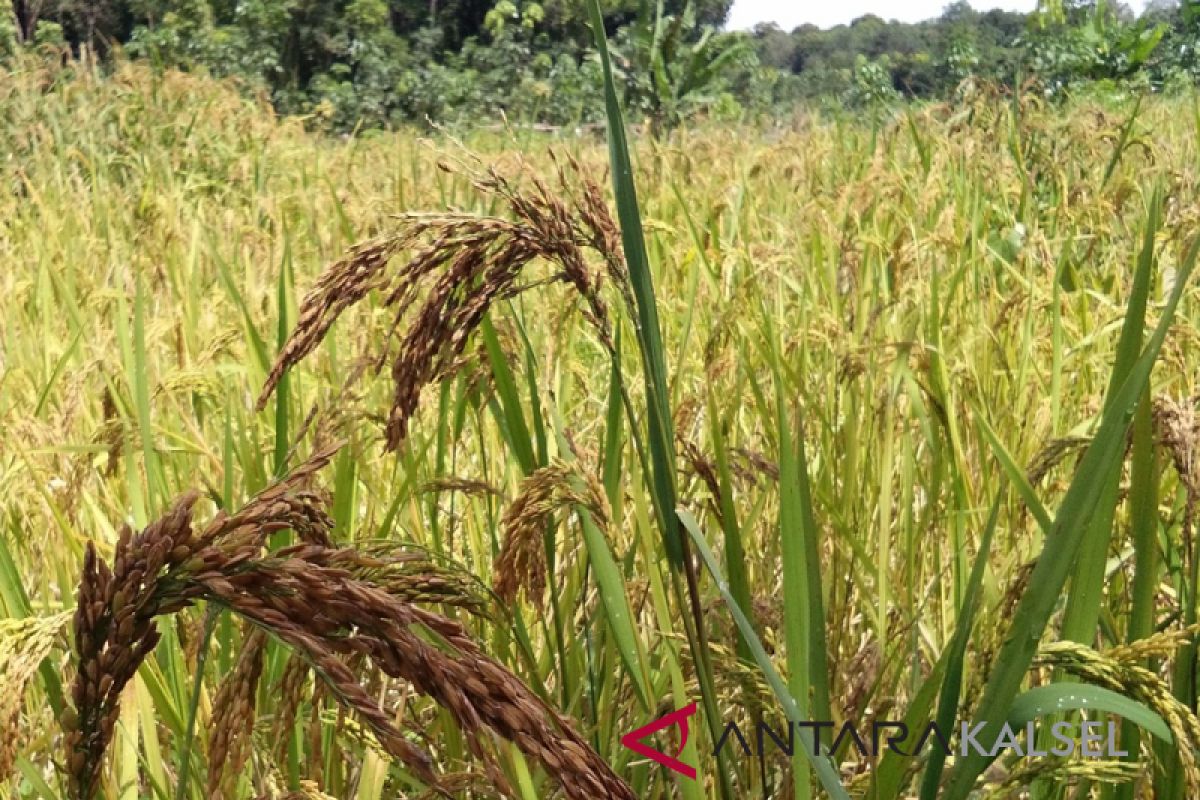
(633, 741)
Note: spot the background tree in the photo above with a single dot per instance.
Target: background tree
(380, 62)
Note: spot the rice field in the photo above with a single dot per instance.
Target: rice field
(402, 467)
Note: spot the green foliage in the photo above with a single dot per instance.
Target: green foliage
(375, 63)
(49, 34)
(671, 65)
(1064, 45)
(871, 86)
(1176, 62)
(1068, 45)
(959, 59)
(360, 85)
(181, 37)
(10, 38)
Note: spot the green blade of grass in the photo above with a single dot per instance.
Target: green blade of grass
(735, 551)
(540, 437)
(59, 366)
(258, 345)
(1122, 142)
(14, 602)
(185, 752)
(37, 784)
(803, 604)
(616, 603)
(659, 421)
(649, 334)
(1087, 580)
(515, 427)
(511, 421)
(797, 623)
(1066, 696)
(1015, 474)
(888, 778)
(139, 386)
(822, 765)
(951, 688)
(283, 391)
(613, 441)
(611, 585)
(1143, 521)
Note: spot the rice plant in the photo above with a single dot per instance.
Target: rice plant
(382, 467)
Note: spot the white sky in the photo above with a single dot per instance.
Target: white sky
(789, 14)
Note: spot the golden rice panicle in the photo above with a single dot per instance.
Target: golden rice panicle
(308, 791)
(24, 644)
(1120, 675)
(1163, 644)
(521, 563)
(290, 693)
(1178, 428)
(1064, 772)
(233, 718)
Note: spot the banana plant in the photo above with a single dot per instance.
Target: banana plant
(1072, 40)
(671, 66)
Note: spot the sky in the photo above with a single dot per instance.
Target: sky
(788, 14)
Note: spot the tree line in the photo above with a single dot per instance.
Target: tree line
(1062, 45)
(348, 63)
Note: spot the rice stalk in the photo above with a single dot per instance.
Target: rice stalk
(233, 718)
(1178, 428)
(463, 263)
(309, 597)
(1118, 670)
(24, 644)
(1064, 772)
(521, 563)
(290, 692)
